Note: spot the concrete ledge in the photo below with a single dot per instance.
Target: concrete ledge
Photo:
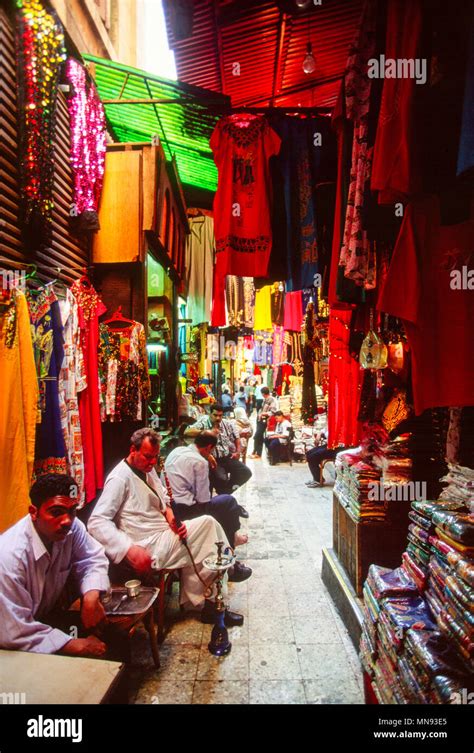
(342, 594)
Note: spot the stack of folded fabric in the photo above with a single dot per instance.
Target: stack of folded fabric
(396, 462)
(356, 477)
(422, 541)
(397, 616)
(368, 642)
(460, 485)
(376, 656)
(455, 531)
(427, 656)
(417, 640)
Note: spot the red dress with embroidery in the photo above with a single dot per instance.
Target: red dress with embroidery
(90, 307)
(425, 288)
(242, 146)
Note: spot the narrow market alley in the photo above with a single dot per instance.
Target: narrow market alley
(293, 647)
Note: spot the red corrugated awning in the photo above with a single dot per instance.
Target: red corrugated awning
(253, 50)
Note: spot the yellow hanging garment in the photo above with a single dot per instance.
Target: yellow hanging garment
(18, 409)
(263, 310)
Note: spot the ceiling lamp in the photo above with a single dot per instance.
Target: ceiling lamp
(309, 63)
(303, 4)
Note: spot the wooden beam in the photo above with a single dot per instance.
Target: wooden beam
(278, 55)
(218, 43)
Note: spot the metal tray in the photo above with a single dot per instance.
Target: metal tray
(132, 604)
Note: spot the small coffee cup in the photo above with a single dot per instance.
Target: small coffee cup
(133, 587)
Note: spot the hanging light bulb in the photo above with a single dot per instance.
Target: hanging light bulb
(309, 63)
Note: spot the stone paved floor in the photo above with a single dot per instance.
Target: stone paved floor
(293, 647)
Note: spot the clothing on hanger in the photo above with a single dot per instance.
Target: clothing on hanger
(19, 396)
(242, 146)
(123, 370)
(90, 307)
(47, 334)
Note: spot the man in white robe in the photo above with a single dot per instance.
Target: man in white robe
(134, 521)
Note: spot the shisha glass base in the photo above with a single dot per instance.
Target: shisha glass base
(219, 645)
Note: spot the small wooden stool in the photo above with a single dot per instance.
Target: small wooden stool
(128, 624)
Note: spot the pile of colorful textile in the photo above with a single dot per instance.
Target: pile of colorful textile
(356, 479)
(392, 605)
(455, 617)
(429, 669)
(417, 641)
(422, 543)
(460, 485)
(396, 462)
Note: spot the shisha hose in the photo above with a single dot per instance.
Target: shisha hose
(207, 587)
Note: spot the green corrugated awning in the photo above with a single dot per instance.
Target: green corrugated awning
(184, 128)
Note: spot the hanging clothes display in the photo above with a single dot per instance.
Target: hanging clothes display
(88, 143)
(278, 304)
(340, 287)
(249, 302)
(293, 319)
(123, 372)
(263, 351)
(200, 250)
(263, 311)
(90, 307)
(241, 145)
(234, 297)
(278, 335)
(307, 157)
(309, 405)
(72, 380)
(19, 396)
(428, 265)
(396, 169)
(344, 383)
(47, 336)
(357, 255)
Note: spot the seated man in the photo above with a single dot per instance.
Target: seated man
(187, 472)
(37, 555)
(227, 473)
(134, 521)
(268, 408)
(319, 453)
(275, 439)
(226, 400)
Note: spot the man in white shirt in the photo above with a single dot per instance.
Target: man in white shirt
(37, 555)
(134, 521)
(187, 471)
(275, 439)
(227, 473)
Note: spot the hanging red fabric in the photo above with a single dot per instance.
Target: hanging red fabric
(344, 383)
(90, 307)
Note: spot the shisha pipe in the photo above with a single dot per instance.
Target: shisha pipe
(219, 645)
